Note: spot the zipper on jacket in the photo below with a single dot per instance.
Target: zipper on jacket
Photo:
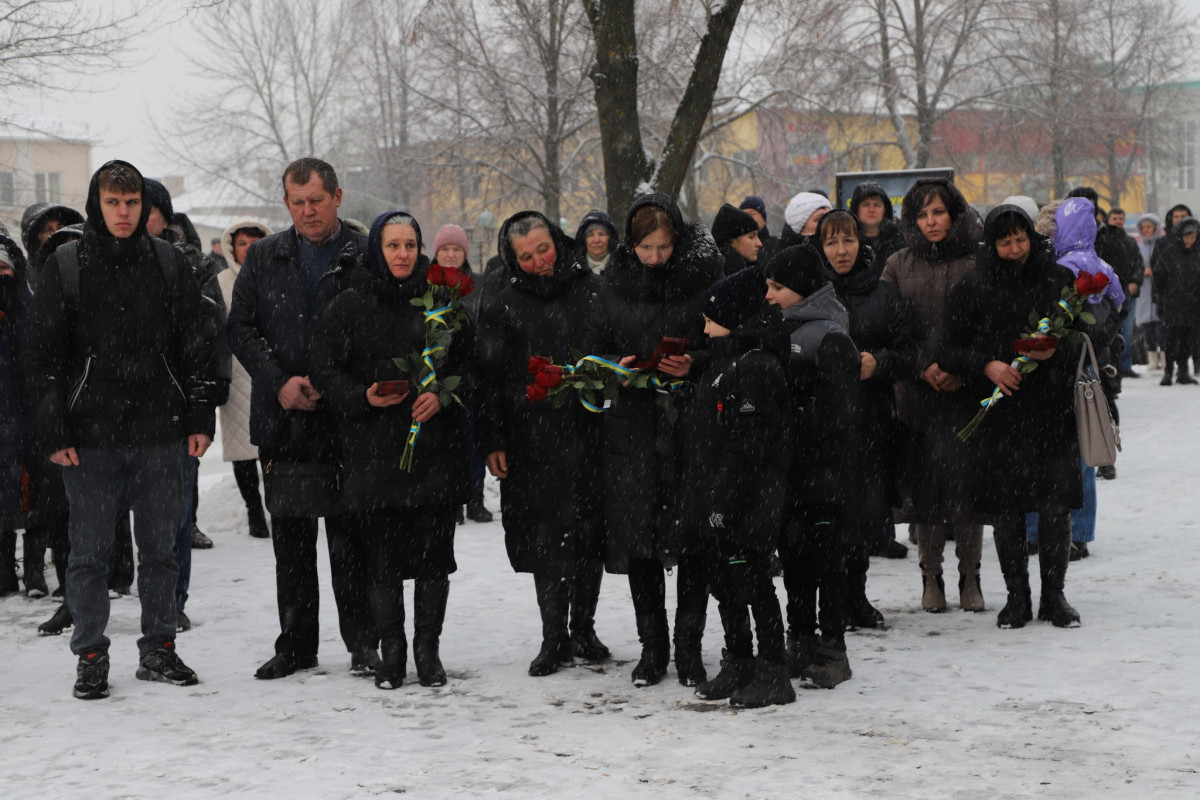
(78, 390)
(171, 374)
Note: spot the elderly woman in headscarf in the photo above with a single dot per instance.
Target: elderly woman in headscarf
(597, 238)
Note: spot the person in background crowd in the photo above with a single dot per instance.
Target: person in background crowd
(757, 209)
(141, 391)
(942, 232)
(236, 446)
(879, 329)
(652, 289)
(405, 518)
(1025, 455)
(39, 221)
(1150, 231)
(289, 278)
(872, 205)
(542, 312)
(1177, 297)
(803, 213)
(738, 468)
(216, 251)
(450, 250)
(736, 233)
(180, 232)
(597, 238)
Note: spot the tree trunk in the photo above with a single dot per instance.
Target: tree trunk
(615, 77)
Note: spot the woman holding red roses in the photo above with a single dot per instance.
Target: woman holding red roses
(654, 287)
(1024, 457)
(406, 517)
(544, 456)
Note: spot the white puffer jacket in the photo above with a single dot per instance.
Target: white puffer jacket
(235, 414)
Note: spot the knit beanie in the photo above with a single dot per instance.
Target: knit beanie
(798, 268)
(451, 234)
(735, 298)
(1023, 202)
(160, 198)
(731, 223)
(801, 207)
(755, 202)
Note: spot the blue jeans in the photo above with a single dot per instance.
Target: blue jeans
(1127, 332)
(149, 479)
(183, 533)
(1083, 520)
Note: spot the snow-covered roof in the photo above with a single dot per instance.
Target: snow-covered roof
(44, 129)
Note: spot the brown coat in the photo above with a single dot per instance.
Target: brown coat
(934, 462)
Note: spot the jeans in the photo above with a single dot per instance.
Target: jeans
(1127, 333)
(183, 534)
(150, 479)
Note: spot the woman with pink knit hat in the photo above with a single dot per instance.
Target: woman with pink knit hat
(451, 250)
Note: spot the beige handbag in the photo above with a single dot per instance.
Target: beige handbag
(1099, 436)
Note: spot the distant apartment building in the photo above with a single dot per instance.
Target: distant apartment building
(42, 161)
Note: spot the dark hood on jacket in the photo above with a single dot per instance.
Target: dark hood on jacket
(1041, 249)
(377, 265)
(865, 190)
(568, 258)
(187, 231)
(94, 224)
(693, 267)
(37, 215)
(596, 217)
(1167, 226)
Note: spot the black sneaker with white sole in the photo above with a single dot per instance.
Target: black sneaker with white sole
(164, 665)
(91, 677)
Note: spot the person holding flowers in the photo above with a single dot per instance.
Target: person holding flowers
(653, 289)
(545, 455)
(1024, 454)
(400, 426)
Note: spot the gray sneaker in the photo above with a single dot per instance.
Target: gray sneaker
(91, 677)
(163, 664)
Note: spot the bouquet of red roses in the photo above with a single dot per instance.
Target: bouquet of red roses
(1044, 334)
(444, 317)
(596, 382)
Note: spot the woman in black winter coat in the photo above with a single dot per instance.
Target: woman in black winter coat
(407, 518)
(1025, 455)
(653, 288)
(547, 458)
(1177, 296)
(880, 330)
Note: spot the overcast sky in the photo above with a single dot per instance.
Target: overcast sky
(120, 110)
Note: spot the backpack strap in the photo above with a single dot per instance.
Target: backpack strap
(68, 272)
(167, 257)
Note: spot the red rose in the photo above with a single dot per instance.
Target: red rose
(436, 274)
(1099, 282)
(536, 392)
(451, 278)
(537, 363)
(550, 376)
(1084, 284)
(467, 286)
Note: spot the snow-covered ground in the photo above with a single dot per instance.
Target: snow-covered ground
(940, 705)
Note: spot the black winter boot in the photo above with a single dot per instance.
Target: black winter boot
(799, 653)
(429, 612)
(476, 510)
(830, 665)
(553, 596)
(387, 603)
(1013, 555)
(769, 686)
(1053, 556)
(859, 611)
(656, 649)
(258, 522)
(35, 563)
(1184, 377)
(61, 620)
(8, 563)
(735, 673)
(585, 596)
(689, 661)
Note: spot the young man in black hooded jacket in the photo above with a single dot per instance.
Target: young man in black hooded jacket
(118, 384)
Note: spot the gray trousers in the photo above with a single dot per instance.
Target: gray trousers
(150, 480)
